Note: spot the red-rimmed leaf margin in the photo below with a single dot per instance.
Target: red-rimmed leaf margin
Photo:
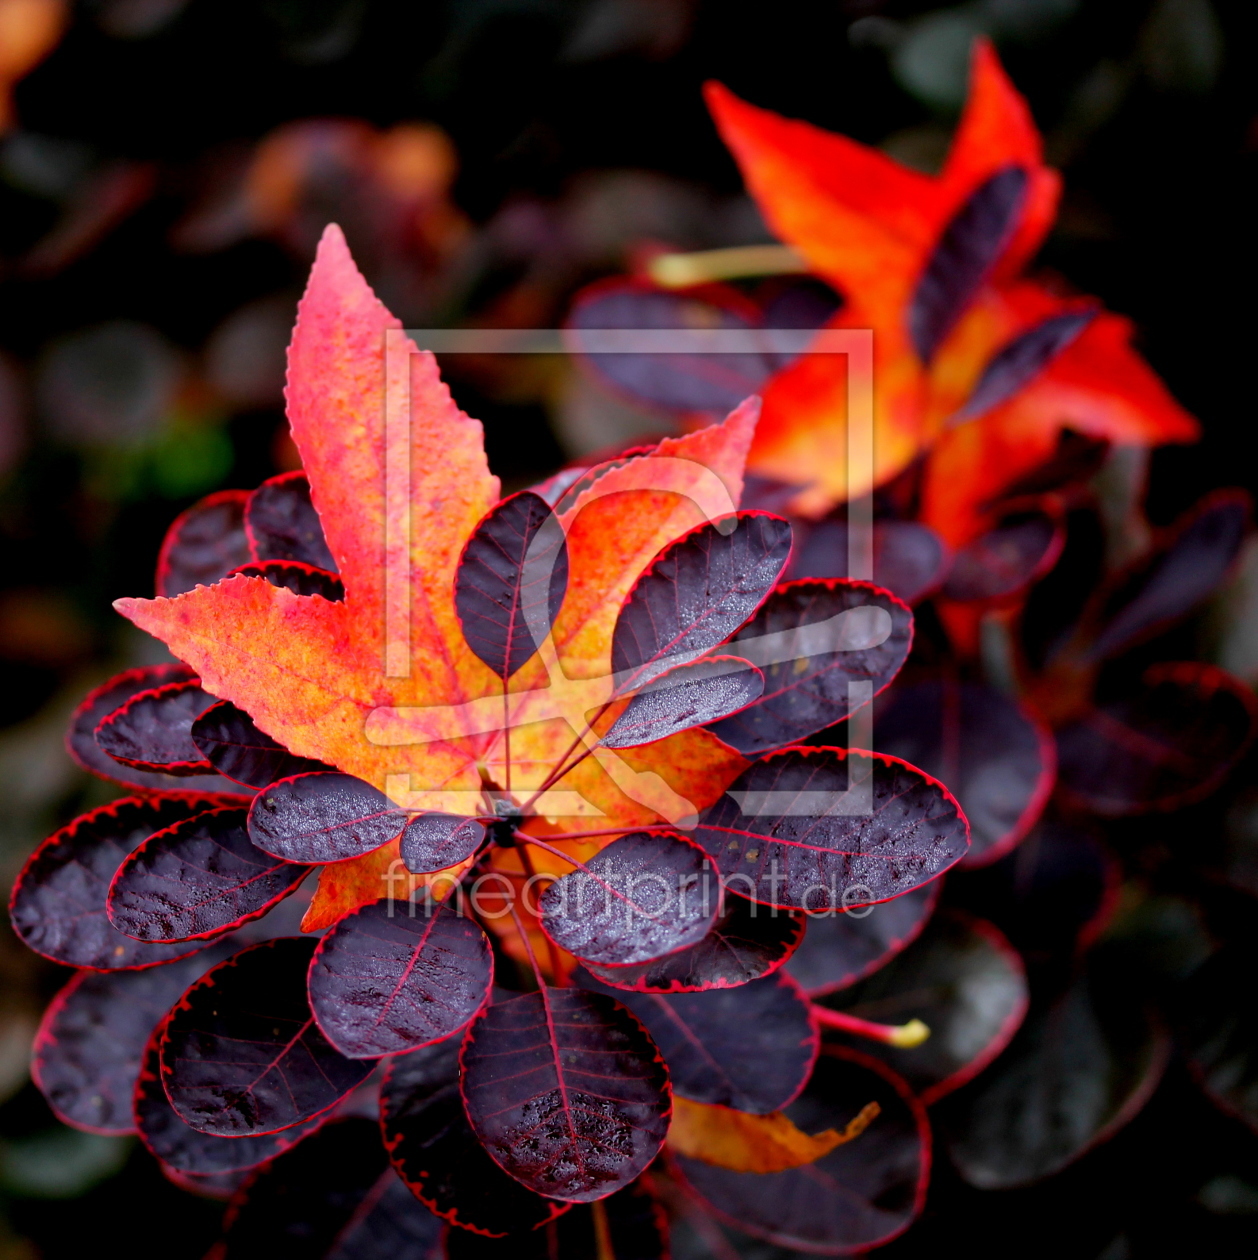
(964, 980)
(390, 977)
(696, 593)
(566, 1091)
(230, 741)
(806, 693)
(840, 949)
(814, 860)
(90, 1042)
(995, 757)
(750, 1047)
(292, 575)
(153, 730)
(861, 1195)
(436, 841)
(204, 544)
(1006, 559)
(241, 1052)
(58, 901)
(645, 895)
(196, 879)
(282, 524)
(746, 942)
(910, 559)
(435, 1152)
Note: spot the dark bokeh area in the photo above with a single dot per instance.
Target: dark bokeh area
(166, 169)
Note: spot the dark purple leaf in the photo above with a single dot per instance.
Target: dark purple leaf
(826, 648)
(435, 1152)
(196, 879)
(961, 978)
(91, 1039)
(322, 817)
(910, 559)
(645, 895)
(153, 730)
(690, 695)
(1077, 458)
(292, 575)
(1079, 1069)
(750, 1047)
(696, 593)
(58, 905)
(1170, 743)
(282, 523)
(863, 1194)
(511, 581)
(1020, 360)
(184, 1150)
(967, 250)
(228, 739)
(991, 754)
(436, 841)
(111, 696)
(566, 1091)
(839, 949)
(792, 830)
(333, 1197)
(746, 942)
(220, 1186)
(1202, 550)
(204, 544)
(384, 981)
(1001, 562)
(242, 1054)
(799, 302)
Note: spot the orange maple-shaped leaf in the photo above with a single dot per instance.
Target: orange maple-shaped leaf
(382, 684)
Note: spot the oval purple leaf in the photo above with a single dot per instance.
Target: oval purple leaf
(282, 523)
(228, 739)
(910, 559)
(204, 544)
(196, 879)
(793, 831)
(153, 730)
(384, 981)
(242, 1054)
(1006, 559)
(826, 649)
(58, 904)
(751, 1047)
(435, 842)
(645, 895)
(566, 1091)
(292, 575)
(324, 817)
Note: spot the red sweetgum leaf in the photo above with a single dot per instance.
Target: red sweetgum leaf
(153, 730)
(566, 1091)
(292, 575)
(910, 559)
(204, 544)
(228, 739)
(282, 524)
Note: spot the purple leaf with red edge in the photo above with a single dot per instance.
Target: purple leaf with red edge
(643, 896)
(184, 1150)
(436, 841)
(197, 879)
(90, 1042)
(511, 581)
(58, 903)
(282, 523)
(840, 949)
(910, 559)
(204, 544)
(242, 1054)
(690, 695)
(1169, 743)
(153, 730)
(333, 1197)
(696, 593)
(826, 648)
(1006, 559)
(220, 1186)
(746, 942)
(566, 1091)
(1077, 458)
(991, 753)
(965, 982)
(751, 1047)
(322, 817)
(968, 249)
(292, 575)
(863, 1194)
(384, 981)
(793, 831)
(228, 739)
(435, 1152)
(108, 698)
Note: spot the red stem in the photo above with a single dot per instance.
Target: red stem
(902, 1035)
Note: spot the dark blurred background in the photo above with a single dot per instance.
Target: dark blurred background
(166, 167)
